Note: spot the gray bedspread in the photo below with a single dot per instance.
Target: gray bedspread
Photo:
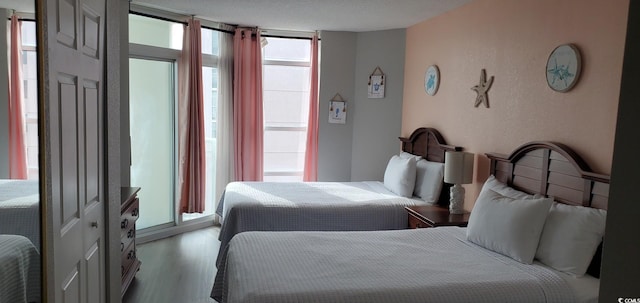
(19, 270)
(310, 206)
(420, 265)
(20, 209)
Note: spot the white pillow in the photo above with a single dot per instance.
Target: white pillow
(400, 176)
(508, 226)
(429, 179)
(405, 155)
(493, 184)
(570, 237)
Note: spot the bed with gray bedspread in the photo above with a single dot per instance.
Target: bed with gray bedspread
(19, 270)
(421, 265)
(310, 206)
(20, 209)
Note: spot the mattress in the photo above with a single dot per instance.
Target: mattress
(20, 270)
(20, 209)
(419, 265)
(310, 206)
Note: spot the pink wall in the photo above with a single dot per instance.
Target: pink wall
(512, 41)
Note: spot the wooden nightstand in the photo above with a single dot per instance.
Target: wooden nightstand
(434, 216)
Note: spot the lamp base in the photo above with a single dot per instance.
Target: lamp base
(456, 202)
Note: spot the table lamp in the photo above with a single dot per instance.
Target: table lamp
(458, 169)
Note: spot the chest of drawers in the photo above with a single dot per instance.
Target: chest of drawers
(130, 212)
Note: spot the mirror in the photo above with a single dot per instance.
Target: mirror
(19, 169)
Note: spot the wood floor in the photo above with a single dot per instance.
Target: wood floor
(176, 269)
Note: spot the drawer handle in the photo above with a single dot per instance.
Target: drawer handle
(130, 234)
(124, 223)
(131, 254)
(122, 269)
(121, 246)
(134, 212)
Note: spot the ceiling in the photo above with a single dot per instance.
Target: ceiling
(298, 15)
(24, 6)
(311, 15)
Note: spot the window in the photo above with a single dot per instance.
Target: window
(286, 80)
(30, 95)
(154, 49)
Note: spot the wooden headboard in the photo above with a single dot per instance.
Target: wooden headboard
(554, 170)
(429, 143)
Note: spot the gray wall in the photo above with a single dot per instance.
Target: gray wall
(621, 256)
(4, 102)
(377, 122)
(360, 149)
(337, 68)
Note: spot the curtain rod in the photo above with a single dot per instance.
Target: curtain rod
(211, 28)
(177, 21)
(24, 19)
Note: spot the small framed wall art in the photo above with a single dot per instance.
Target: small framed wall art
(376, 84)
(563, 68)
(337, 110)
(432, 80)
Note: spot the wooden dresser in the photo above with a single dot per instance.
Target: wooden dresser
(129, 214)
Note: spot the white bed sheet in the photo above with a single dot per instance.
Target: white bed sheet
(585, 288)
(20, 209)
(425, 265)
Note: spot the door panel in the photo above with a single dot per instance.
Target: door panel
(71, 287)
(94, 268)
(75, 95)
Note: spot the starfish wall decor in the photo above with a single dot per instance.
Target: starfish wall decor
(482, 88)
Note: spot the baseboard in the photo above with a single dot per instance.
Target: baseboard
(152, 235)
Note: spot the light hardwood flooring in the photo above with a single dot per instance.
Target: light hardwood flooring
(176, 269)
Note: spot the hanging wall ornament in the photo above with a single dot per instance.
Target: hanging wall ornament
(482, 88)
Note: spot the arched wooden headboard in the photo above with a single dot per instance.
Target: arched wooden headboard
(553, 170)
(429, 143)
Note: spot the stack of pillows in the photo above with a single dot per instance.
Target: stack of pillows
(408, 175)
(526, 227)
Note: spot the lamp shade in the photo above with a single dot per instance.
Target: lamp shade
(458, 167)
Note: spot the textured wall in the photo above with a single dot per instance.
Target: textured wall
(377, 121)
(337, 67)
(512, 41)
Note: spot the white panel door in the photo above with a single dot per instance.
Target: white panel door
(74, 106)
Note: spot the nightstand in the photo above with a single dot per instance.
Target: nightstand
(434, 216)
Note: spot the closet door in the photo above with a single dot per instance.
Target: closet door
(74, 136)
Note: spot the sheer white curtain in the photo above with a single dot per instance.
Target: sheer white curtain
(224, 136)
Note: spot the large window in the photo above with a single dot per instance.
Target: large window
(30, 95)
(155, 49)
(286, 81)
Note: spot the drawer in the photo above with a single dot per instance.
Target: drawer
(128, 258)
(129, 217)
(417, 223)
(129, 237)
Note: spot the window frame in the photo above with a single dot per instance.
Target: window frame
(290, 63)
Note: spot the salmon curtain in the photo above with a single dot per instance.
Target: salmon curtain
(17, 143)
(191, 122)
(311, 153)
(247, 105)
